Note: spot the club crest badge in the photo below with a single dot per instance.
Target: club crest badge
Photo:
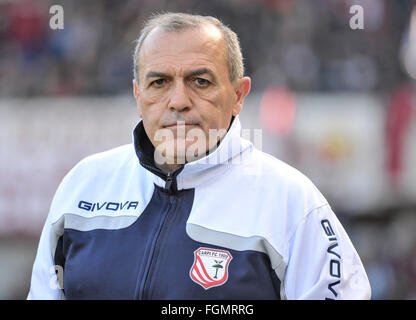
(210, 267)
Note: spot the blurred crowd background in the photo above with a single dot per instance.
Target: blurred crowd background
(306, 45)
(335, 102)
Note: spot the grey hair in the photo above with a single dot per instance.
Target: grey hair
(175, 22)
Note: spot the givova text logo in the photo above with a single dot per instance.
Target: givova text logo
(107, 205)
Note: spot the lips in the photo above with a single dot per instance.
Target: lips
(180, 123)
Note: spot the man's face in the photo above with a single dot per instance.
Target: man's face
(184, 87)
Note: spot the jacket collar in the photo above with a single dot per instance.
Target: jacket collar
(229, 151)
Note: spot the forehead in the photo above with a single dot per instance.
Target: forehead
(194, 47)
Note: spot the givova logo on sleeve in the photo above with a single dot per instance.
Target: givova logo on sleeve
(210, 267)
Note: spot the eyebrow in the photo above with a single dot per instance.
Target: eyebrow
(197, 72)
(201, 71)
(155, 74)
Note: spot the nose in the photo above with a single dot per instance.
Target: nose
(179, 100)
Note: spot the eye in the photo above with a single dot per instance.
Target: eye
(201, 82)
(158, 83)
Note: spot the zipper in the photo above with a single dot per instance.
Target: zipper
(142, 294)
(168, 177)
(145, 289)
(169, 181)
(170, 186)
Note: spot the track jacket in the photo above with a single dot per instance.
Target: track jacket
(236, 224)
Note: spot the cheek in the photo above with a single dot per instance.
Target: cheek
(151, 113)
(152, 107)
(218, 110)
(150, 98)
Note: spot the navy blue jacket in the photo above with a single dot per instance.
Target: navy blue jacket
(236, 224)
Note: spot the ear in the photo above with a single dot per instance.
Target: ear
(242, 88)
(136, 96)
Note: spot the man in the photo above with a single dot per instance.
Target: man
(190, 210)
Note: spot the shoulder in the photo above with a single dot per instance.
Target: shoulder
(284, 179)
(92, 171)
(285, 195)
(101, 163)
(107, 157)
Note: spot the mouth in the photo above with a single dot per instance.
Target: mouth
(180, 124)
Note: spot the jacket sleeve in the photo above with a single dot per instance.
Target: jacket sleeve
(47, 281)
(322, 261)
(47, 277)
(47, 272)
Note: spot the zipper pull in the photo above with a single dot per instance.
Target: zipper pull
(169, 180)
